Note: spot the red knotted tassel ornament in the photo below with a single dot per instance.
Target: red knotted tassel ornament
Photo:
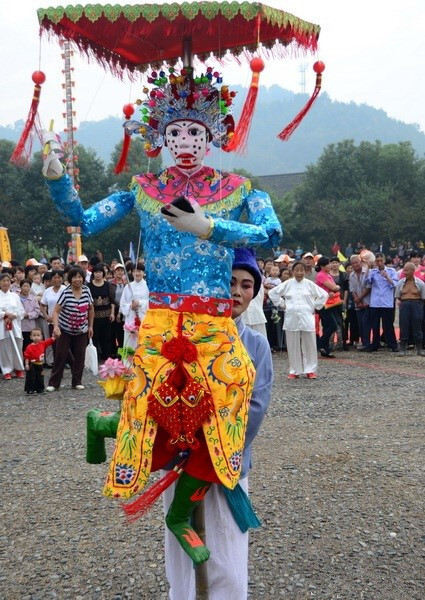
(21, 155)
(128, 110)
(284, 135)
(239, 138)
(139, 507)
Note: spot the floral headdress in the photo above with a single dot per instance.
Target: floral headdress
(180, 95)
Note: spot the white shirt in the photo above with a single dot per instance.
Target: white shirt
(50, 297)
(134, 291)
(299, 299)
(11, 303)
(254, 314)
(38, 289)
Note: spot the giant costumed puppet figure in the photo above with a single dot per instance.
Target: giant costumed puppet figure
(192, 378)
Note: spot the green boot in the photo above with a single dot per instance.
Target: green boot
(189, 492)
(100, 425)
(419, 350)
(403, 349)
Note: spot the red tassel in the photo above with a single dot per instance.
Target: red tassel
(122, 162)
(284, 135)
(128, 110)
(22, 155)
(139, 507)
(239, 138)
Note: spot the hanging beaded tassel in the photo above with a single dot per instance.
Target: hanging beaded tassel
(284, 135)
(239, 138)
(22, 153)
(128, 110)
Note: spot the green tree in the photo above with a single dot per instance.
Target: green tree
(370, 191)
(27, 210)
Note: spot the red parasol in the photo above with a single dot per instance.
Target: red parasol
(132, 38)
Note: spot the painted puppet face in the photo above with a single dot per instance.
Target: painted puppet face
(187, 142)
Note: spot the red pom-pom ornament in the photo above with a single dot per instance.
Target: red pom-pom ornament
(179, 350)
(38, 77)
(319, 66)
(128, 110)
(257, 65)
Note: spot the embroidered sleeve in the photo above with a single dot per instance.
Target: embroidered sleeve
(261, 229)
(95, 219)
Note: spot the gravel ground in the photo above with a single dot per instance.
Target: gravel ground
(337, 482)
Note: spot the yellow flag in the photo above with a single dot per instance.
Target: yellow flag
(78, 245)
(5, 251)
(342, 259)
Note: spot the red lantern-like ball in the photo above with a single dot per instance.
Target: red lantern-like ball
(257, 65)
(128, 110)
(38, 77)
(319, 66)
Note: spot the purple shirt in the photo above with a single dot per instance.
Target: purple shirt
(382, 291)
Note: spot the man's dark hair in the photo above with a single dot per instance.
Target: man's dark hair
(57, 272)
(380, 255)
(94, 260)
(55, 258)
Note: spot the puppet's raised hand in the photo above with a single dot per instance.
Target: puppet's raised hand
(190, 219)
(52, 166)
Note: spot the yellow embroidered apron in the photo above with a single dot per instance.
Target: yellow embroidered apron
(222, 367)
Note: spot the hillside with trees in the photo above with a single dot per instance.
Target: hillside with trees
(328, 122)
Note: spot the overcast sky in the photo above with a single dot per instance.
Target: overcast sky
(374, 54)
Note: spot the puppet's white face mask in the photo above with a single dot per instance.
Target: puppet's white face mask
(187, 142)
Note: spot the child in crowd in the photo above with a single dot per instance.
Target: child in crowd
(31, 311)
(34, 359)
(274, 332)
(37, 288)
(273, 279)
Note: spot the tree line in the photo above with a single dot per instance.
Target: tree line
(369, 191)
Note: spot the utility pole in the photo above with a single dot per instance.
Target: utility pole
(71, 155)
(302, 69)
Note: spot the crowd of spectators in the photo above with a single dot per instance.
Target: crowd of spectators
(66, 305)
(365, 287)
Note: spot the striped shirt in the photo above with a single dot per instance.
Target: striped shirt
(73, 318)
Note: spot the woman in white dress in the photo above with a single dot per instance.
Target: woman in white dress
(299, 298)
(11, 315)
(254, 316)
(133, 305)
